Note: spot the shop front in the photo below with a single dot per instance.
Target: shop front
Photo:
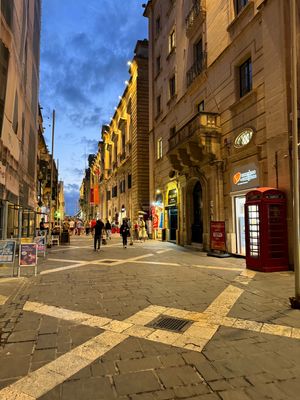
(172, 212)
(242, 178)
(157, 213)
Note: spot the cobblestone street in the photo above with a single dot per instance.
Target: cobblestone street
(82, 328)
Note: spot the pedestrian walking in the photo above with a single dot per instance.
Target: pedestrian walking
(136, 230)
(108, 229)
(142, 230)
(98, 234)
(130, 231)
(124, 232)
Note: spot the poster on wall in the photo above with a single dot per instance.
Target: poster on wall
(161, 220)
(28, 254)
(7, 251)
(217, 235)
(155, 221)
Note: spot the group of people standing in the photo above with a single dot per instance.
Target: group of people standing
(138, 232)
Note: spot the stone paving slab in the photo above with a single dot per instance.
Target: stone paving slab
(239, 362)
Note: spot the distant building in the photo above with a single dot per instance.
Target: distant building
(44, 178)
(20, 24)
(220, 109)
(87, 204)
(124, 176)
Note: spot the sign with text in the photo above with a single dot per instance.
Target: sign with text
(245, 177)
(7, 251)
(217, 235)
(28, 254)
(172, 197)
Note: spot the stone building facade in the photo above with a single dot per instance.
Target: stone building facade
(20, 24)
(124, 188)
(219, 113)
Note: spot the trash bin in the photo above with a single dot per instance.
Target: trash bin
(163, 234)
(65, 237)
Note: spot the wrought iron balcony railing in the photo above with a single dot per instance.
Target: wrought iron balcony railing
(196, 69)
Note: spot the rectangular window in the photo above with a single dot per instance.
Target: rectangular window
(245, 77)
(115, 191)
(159, 148)
(200, 106)
(129, 181)
(158, 65)
(239, 5)
(108, 195)
(16, 115)
(122, 186)
(172, 86)
(172, 41)
(198, 51)
(158, 105)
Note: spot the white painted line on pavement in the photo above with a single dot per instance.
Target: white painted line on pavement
(224, 302)
(245, 277)
(41, 381)
(218, 268)
(134, 259)
(66, 261)
(163, 251)
(51, 271)
(11, 279)
(155, 263)
(3, 299)
(194, 338)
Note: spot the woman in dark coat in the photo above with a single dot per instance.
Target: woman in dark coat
(124, 232)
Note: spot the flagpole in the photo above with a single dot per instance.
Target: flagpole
(295, 301)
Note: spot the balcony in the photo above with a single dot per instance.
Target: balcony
(196, 69)
(197, 142)
(194, 18)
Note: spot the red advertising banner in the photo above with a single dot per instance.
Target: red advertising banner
(155, 221)
(96, 194)
(217, 235)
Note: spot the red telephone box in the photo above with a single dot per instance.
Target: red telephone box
(266, 230)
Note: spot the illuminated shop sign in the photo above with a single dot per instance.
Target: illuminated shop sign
(172, 197)
(244, 177)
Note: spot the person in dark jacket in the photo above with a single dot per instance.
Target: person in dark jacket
(98, 234)
(124, 232)
(108, 229)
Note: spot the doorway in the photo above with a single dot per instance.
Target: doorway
(239, 206)
(197, 225)
(173, 216)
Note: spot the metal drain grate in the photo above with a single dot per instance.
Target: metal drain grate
(170, 323)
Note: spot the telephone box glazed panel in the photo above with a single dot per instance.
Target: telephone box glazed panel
(266, 230)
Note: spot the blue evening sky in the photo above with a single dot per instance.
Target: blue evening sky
(85, 47)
